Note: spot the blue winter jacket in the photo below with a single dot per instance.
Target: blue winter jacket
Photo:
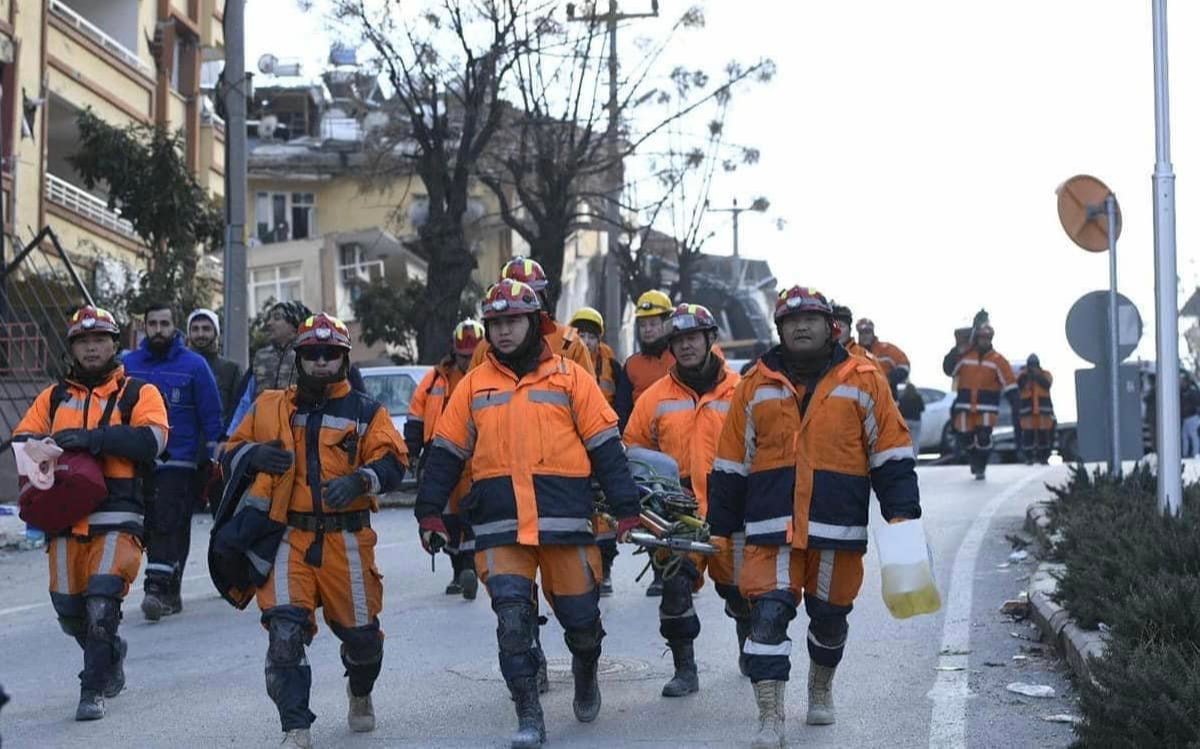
(190, 392)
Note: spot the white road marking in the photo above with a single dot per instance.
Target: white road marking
(950, 692)
(132, 597)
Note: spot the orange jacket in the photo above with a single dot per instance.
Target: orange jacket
(606, 372)
(857, 349)
(564, 340)
(889, 357)
(124, 445)
(671, 418)
(804, 478)
(1035, 393)
(643, 370)
(351, 432)
(531, 444)
(426, 407)
(982, 379)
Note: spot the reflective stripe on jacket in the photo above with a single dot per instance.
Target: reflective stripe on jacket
(531, 444)
(806, 481)
(1035, 394)
(671, 418)
(982, 379)
(889, 356)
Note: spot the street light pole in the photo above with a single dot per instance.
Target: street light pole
(1166, 326)
(236, 335)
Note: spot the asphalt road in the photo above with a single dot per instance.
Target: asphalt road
(196, 679)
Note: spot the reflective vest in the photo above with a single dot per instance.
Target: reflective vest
(671, 418)
(798, 468)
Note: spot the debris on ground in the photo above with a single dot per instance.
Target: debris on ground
(1031, 690)
(1018, 556)
(1061, 718)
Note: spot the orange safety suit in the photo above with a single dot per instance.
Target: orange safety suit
(564, 340)
(99, 557)
(857, 349)
(606, 372)
(982, 380)
(326, 557)
(1037, 410)
(795, 468)
(890, 358)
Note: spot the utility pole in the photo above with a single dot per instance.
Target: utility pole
(236, 334)
(759, 205)
(613, 297)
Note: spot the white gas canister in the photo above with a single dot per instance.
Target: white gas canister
(906, 570)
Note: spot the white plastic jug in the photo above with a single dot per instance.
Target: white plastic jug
(907, 575)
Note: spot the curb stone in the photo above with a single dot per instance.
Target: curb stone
(1077, 645)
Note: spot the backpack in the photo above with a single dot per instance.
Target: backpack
(130, 388)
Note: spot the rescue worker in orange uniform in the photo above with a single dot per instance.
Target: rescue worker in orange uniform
(653, 359)
(426, 407)
(892, 361)
(845, 331)
(1037, 411)
(534, 426)
(682, 415)
(315, 456)
(564, 339)
(590, 324)
(93, 563)
(983, 377)
(811, 432)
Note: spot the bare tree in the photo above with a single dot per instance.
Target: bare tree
(445, 68)
(550, 163)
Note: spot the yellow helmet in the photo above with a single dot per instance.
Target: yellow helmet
(653, 303)
(588, 314)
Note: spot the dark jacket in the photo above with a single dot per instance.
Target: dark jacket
(911, 404)
(227, 374)
(190, 392)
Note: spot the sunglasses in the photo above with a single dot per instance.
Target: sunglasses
(328, 353)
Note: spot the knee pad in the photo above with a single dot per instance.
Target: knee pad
(830, 630)
(360, 645)
(287, 641)
(73, 626)
(103, 617)
(515, 625)
(584, 639)
(676, 595)
(769, 621)
(983, 438)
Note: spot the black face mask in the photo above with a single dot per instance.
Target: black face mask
(311, 390)
(524, 358)
(92, 379)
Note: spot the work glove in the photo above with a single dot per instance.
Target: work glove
(625, 526)
(85, 440)
(270, 457)
(340, 492)
(433, 534)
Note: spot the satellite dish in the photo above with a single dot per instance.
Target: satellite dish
(267, 63)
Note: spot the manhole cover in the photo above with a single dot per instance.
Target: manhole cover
(614, 668)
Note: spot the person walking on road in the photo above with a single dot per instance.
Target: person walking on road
(893, 362)
(983, 377)
(426, 407)
(844, 317)
(312, 459)
(121, 421)
(682, 415)
(811, 433)
(1037, 411)
(534, 426)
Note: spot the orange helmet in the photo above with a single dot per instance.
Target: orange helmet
(90, 319)
(801, 299)
(688, 318)
(323, 330)
(526, 271)
(467, 335)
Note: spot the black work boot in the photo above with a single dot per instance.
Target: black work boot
(468, 583)
(743, 632)
(91, 705)
(685, 680)
(531, 726)
(543, 672)
(587, 687)
(154, 605)
(116, 682)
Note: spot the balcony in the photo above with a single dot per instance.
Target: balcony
(83, 203)
(98, 35)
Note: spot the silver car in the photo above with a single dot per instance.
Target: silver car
(394, 387)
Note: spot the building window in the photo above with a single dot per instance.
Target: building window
(282, 216)
(277, 283)
(355, 271)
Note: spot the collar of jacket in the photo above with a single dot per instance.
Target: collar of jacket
(339, 389)
(772, 361)
(543, 369)
(177, 345)
(109, 385)
(721, 384)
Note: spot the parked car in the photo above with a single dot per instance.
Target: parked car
(935, 421)
(394, 386)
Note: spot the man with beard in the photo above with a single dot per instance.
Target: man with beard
(314, 457)
(203, 337)
(533, 426)
(194, 412)
(122, 422)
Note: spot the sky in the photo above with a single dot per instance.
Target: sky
(914, 148)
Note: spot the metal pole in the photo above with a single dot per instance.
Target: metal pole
(1165, 280)
(1114, 362)
(612, 281)
(235, 335)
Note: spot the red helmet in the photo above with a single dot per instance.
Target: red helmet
(526, 271)
(688, 318)
(90, 319)
(323, 330)
(509, 298)
(467, 335)
(801, 299)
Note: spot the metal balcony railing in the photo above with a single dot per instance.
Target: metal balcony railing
(71, 16)
(59, 191)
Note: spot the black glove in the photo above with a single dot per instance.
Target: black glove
(88, 440)
(270, 458)
(342, 491)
